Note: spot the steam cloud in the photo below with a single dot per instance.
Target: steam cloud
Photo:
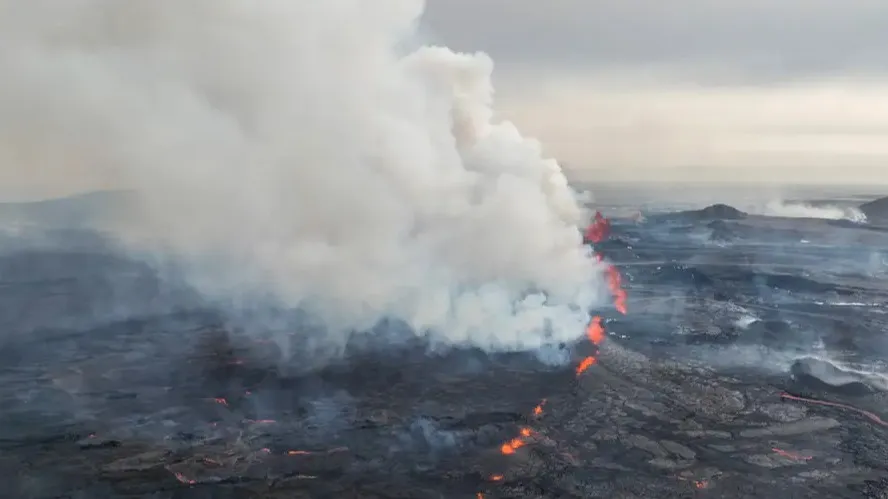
(299, 151)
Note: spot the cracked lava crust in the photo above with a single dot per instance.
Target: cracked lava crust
(173, 406)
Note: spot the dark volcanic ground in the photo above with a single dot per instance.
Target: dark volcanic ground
(749, 365)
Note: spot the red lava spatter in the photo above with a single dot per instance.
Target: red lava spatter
(597, 232)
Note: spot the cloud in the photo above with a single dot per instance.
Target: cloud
(629, 127)
(770, 39)
(292, 153)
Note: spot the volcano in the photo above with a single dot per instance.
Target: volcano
(700, 381)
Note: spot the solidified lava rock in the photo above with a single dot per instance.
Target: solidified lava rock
(769, 331)
(876, 210)
(721, 212)
(713, 212)
(180, 407)
(822, 375)
(721, 231)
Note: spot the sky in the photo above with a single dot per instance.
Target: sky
(728, 90)
(742, 91)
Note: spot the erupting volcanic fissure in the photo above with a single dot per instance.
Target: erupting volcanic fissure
(597, 232)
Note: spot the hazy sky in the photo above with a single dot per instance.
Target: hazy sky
(697, 89)
(742, 90)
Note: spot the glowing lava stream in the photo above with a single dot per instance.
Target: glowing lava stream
(869, 415)
(597, 231)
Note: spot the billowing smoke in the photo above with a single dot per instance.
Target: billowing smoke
(803, 210)
(310, 153)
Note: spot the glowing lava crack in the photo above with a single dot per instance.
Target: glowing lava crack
(597, 231)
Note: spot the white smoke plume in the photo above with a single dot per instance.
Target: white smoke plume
(802, 210)
(301, 148)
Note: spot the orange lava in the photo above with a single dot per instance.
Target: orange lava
(511, 446)
(181, 478)
(869, 415)
(595, 331)
(585, 365)
(615, 283)
(597, 231)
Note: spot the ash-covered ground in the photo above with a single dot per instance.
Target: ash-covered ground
(750, 364)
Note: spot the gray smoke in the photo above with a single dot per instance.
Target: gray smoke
(299, 151)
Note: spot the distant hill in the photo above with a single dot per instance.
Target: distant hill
(876, 211)
(78, 211)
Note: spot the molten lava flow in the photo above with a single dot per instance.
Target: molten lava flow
(615, 283)
(181, 478)
(872, 417)
(792, 455)
(511, 446)
(597, 231)
(585, 364)
(595, 331)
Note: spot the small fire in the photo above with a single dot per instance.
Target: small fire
(699, 484)
(221, 401)
(538, 410)
(511, 446)
(496, 478)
